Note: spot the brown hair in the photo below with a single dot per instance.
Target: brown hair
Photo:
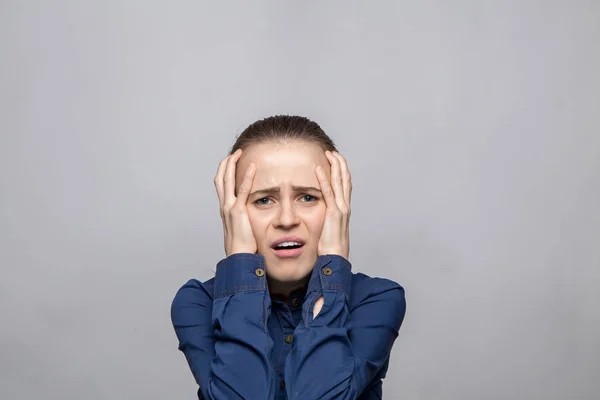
(283, 128)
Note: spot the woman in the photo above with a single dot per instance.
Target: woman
(284, 317)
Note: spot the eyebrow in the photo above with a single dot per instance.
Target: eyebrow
(276, 189)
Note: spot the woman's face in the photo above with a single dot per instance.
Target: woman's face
(285, 203)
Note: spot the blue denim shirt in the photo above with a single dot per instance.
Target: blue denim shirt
(242, 344)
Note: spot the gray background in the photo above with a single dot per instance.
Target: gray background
(472, 132)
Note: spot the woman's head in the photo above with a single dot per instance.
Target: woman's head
(285, 201)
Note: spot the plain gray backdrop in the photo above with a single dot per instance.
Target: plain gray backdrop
(472, 130)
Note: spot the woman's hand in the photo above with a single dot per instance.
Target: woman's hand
(335, 238)
(336, 230)
(236, 224)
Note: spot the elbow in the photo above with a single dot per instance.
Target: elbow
(397, 302)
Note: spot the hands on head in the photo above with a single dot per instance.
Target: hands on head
(336, 194)
(335, 236)
(236, 224)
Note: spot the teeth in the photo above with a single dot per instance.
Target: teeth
(288, 244)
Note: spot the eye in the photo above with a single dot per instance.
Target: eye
(263, 201)
(308, 198)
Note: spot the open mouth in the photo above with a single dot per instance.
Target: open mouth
(288, 245)
(286, 248)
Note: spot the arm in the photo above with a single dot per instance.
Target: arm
(225, 340)
(337, 354)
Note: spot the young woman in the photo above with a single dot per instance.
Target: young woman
(284, 317)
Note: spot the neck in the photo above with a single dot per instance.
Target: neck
(284, 290)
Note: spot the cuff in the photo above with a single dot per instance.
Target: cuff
(240, 272)
(331, 272)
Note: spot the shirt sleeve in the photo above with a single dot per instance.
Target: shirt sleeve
(338, 354)
(225, 340)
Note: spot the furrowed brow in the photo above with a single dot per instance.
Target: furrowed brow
(305, 189)
(276, 189)
(266, 191)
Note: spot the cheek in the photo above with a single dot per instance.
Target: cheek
(316, 219)
(258, 222)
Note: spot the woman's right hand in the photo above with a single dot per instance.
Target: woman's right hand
(236, 224)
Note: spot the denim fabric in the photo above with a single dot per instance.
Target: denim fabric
(241, 343)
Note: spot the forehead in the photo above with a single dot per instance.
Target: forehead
(281, 163)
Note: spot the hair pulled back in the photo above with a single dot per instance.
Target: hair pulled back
(283, 128)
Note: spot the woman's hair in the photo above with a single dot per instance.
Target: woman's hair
(283, 128)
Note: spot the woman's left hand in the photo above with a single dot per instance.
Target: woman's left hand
(335, 235)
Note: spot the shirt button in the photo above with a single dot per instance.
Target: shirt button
(259, 272)
(296, 302)
(327, 271)
(289, 339)
(282, 385)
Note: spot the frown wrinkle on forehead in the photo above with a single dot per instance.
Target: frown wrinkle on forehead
(283, 166)
(277, 189)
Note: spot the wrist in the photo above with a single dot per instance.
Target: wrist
(239, 253)
(335, 252)
(241, 250)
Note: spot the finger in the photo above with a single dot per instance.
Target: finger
(219, 180)
(229, 179)
(336, 180)
(244, 190)
(326, 188)
(346, 177)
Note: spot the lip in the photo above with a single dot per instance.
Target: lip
(288, 253)
(288, 239)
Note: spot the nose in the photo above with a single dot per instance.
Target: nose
(286, 216)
